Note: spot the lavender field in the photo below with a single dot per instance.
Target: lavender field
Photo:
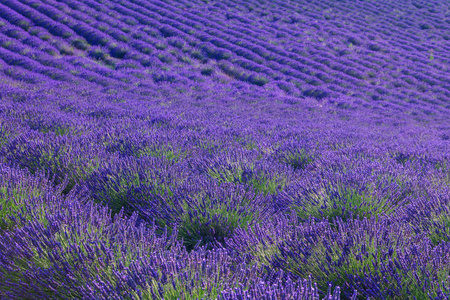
(230, 150)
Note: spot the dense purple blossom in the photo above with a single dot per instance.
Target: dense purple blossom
(235, 150)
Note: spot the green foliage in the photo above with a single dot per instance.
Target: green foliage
(45, 37)
(65, 50)
(12, 200)
(347, 200)
(57, 130)
(206, 220)
(56, 159)
(208, 71)
(80, 44)
(161, 46)
(385, 259)
(197, 54)
(168, 154)
(126, 185)
(437, 224)
(86, 246)
(7, 133)
(259, 80)
(98, 53)
(342, 202)
(165, 58)
(178, 289)
(258, 180)
(299, 159)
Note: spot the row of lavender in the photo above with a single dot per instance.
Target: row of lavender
(220, 189)
(159, 36)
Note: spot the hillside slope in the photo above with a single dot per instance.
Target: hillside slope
(224, 149)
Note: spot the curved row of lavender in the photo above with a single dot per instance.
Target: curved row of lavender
(224, 149)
